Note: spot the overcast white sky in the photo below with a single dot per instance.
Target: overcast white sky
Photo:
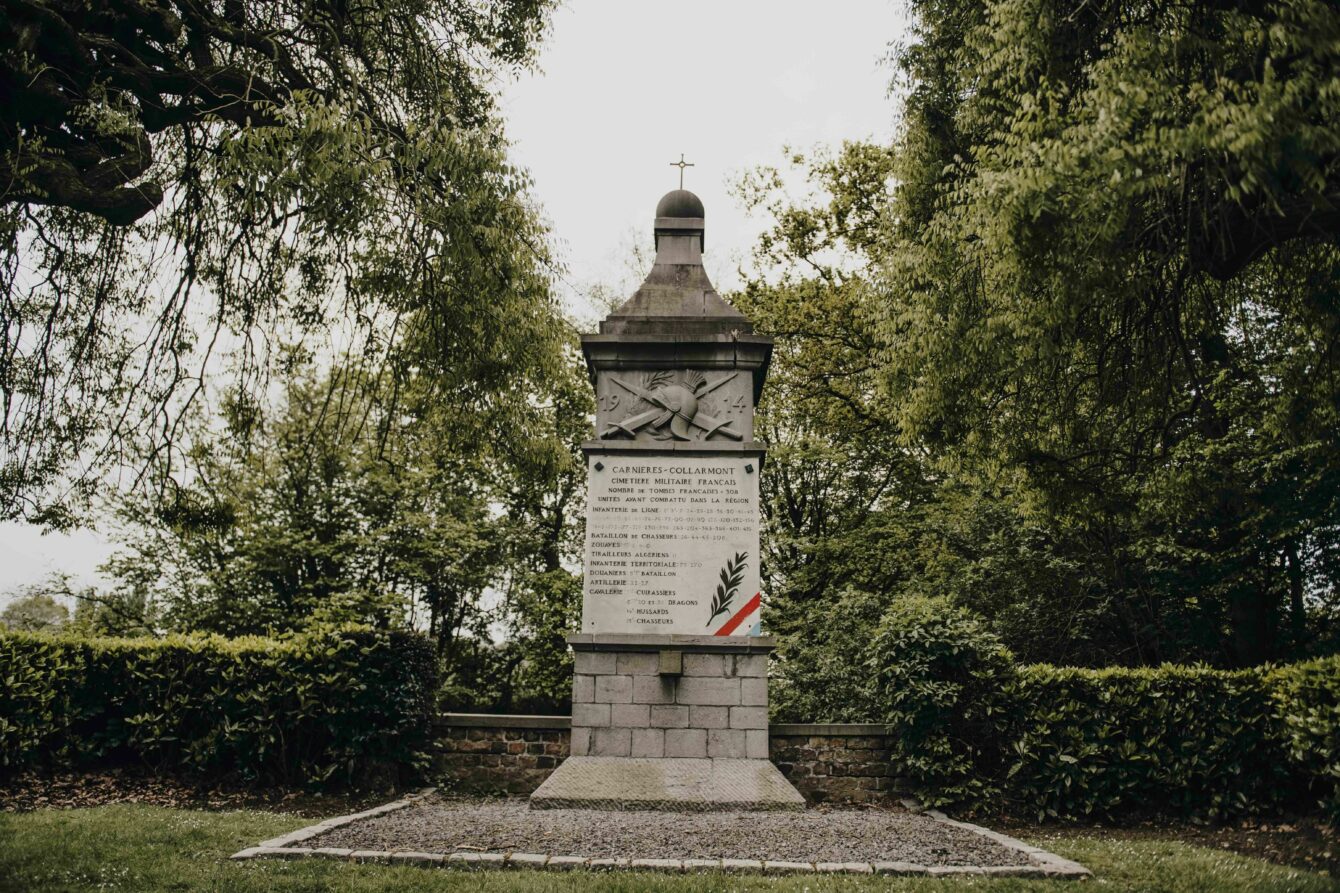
(627, 85)
(624, 87)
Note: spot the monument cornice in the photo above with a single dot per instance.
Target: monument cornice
(678, 350)
(652, 642)
(697, 447)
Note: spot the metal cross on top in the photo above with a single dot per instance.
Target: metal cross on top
(681, 164)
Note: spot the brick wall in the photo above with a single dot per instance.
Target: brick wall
(835, 762)
(478, 753)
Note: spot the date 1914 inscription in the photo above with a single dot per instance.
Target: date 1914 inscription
(688, 405)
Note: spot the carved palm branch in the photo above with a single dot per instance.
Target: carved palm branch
(732, 575)
(658, 379)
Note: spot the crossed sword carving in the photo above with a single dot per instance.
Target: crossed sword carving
(708, 423)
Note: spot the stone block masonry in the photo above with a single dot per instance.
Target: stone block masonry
(827, 762)
(623, 705)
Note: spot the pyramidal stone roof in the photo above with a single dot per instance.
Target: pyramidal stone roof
(677, 298)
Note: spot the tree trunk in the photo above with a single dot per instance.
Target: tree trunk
(1297, 610)
(1254, 624)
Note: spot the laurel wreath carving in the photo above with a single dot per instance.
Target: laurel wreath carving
(732, 575)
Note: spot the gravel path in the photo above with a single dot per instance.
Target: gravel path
(441, 825)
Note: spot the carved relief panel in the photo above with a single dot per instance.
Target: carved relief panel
(688, 405)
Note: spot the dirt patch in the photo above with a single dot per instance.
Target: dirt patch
(79, 790)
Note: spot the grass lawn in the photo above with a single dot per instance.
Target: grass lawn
(150, 848)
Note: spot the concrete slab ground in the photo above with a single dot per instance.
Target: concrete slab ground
(679, 785)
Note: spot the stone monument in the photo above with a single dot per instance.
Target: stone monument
(670, 690)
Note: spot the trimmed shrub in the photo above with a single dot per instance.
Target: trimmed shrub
(330, 708)
(942, 681)
(972, 729)
(1172, 740)
(1307, 696)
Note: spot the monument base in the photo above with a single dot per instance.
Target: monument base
(679, 785)
(673, 722)
(672, 696)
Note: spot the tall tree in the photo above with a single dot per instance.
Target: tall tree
(330, 507)
(186, 181)
(835, 475)
(857, 517)
(541, 491)
(339, 504)
(1112, 289)
(33, 612)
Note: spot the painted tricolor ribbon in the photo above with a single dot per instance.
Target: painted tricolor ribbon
(750, 610)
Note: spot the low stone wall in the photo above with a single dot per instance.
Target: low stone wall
(835, 762)
(489, 754)
(484, 754)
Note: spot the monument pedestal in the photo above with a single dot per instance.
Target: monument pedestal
(670, 691)
(673, 722)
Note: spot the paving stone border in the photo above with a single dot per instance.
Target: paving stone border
(285, 841)
(1043, 864)
(1051, 864)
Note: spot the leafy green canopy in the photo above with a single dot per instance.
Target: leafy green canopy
(35, 612)
(343, 506)
(1111, 287)
(193, 184)
(1113, 205)
(834, 464)
(1066, 351)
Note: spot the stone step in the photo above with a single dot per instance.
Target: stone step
(670, 784)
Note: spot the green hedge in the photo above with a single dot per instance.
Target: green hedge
(1168, 740)
(946, 695)
(1175, 740)
(973, 729)
(1307, 697)
(343, 707)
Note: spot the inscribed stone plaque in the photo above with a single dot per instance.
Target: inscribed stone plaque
(672, 545)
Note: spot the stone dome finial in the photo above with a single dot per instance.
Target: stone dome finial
(680, 203)
(680, 213)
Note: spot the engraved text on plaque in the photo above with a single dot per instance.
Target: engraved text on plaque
(672, 545)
